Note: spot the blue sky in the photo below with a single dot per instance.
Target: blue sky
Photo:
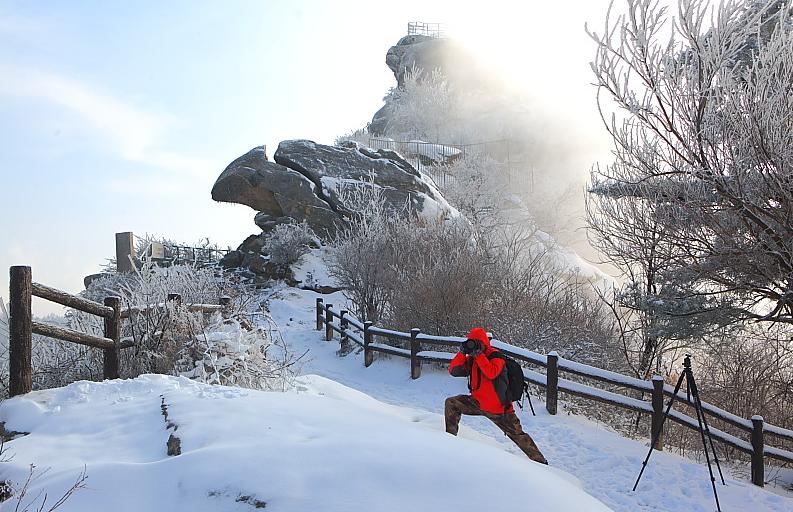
(119, 116)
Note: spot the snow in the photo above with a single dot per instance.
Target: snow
(433, 354)
(311, 270)
(347, 438)
(605, 463)
(435, 152)
(389, 332)
(323, 446)
(633, 403)
(782, 432)
(431, 338)
(523, 352)
(388, 348)
(354, 337)
(354, 321)
(606, 375)
(434, 206)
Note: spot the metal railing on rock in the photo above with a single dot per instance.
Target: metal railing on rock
(420, 28)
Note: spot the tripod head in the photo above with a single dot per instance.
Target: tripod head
(691, 385)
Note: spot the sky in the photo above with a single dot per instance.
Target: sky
(119, 116)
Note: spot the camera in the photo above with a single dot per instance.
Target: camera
(471, 346)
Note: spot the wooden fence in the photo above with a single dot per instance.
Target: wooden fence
(22, 326)
(365, 334)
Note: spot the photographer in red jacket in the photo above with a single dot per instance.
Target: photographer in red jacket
(475, 361)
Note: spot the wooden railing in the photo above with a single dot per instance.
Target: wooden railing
(22, 326)
(365, 334)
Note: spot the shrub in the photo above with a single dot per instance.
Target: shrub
(286, 243)
(168, 338)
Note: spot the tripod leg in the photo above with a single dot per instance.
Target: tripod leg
(710, 438)
(692, 385)
(658, 434)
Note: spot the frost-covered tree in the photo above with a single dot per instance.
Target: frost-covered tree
(703, 146)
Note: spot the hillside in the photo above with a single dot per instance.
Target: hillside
(322, 446)
(345, 438)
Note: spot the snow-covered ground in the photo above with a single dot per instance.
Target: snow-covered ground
(320, 447)
(348, 438)
(605, 463)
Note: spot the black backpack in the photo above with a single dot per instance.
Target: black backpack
(510, 385)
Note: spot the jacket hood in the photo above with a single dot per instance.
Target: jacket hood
(479, 334)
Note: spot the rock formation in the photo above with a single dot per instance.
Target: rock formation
(426, 54)
(306, 184)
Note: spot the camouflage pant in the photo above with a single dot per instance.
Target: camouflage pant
(509, 423)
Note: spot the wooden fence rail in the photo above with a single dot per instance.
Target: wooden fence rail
(22, 327)
(364, 333)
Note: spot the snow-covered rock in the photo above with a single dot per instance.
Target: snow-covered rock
(306, 181)
(334, 168)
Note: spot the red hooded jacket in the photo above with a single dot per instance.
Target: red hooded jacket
(482, 371)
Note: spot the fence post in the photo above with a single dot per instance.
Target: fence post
(344, 324)
(320, 316)
(552, 382)
(656, 425)
(758, 469)
(112, 331)
(125, 251)
(415, 348)
(20, 330)
(329, 322)
(225, 307)
(367, 340)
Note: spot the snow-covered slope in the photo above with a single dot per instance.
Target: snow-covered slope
(321, 447)
(605, 463)
(349, 438)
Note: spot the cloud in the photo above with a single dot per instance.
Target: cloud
(134, 132)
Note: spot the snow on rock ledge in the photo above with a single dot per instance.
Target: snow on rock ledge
(321, 447)
(305, 182)
(334, 168)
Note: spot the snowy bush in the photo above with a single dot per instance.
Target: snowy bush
(424, 108)
(445, 278)
(703, 143)
(286, 243)
(361, 258)
(242, 350)
(233, 355)
(360, 135)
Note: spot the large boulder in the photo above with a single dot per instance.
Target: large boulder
(306, 183)
(275, 191)
(336, 168)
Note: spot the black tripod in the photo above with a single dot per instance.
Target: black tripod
(691, 391)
